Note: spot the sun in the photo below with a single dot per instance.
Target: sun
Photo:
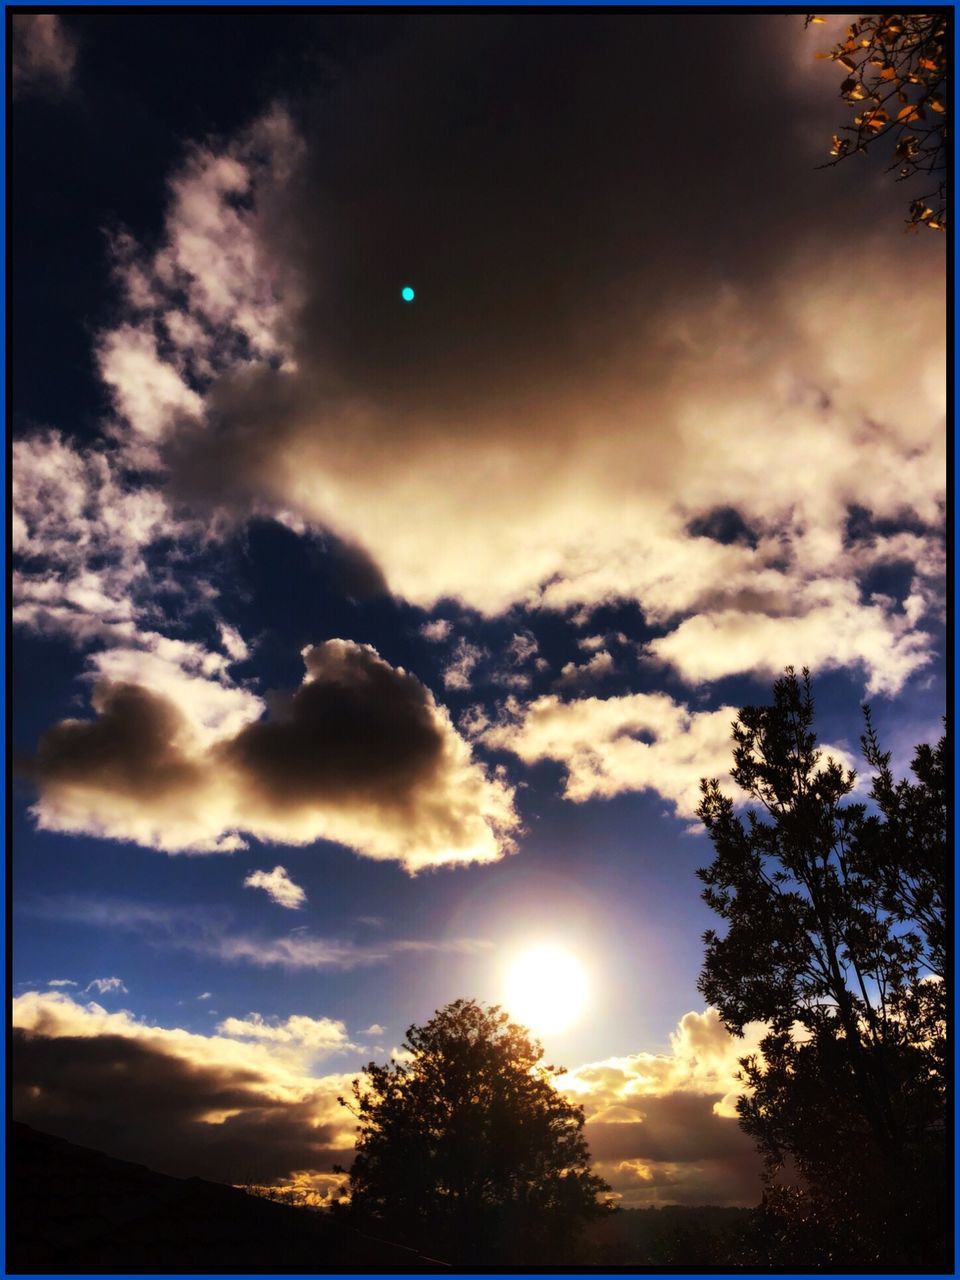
(546, 988)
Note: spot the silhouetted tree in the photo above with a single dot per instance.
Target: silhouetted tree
(466, 1150)
(896, 75)
(835, 938)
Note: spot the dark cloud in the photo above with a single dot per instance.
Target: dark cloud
(354, 573)
(139, 1102)
(678, 1126)
(357, 728)
(632, 311)
(360, 754)
(131, 747)
(547, 182)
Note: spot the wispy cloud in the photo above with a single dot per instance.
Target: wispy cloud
(278, 887)
(209, 932)
(458, 672)
(43, 56)
(106, 986)
(437, 631)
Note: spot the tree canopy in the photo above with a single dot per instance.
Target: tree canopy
(895, 80)
(835, 939)
(465, 1149)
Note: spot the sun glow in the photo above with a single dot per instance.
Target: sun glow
(545, 989)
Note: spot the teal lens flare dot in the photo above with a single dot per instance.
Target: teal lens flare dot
(407, 294)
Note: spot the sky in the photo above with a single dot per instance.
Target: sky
(363, 645)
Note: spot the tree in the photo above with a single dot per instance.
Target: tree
(466, 1150)
(896, 72)
(835, 939)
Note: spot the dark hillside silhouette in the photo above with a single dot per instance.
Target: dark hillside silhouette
(76, 1210)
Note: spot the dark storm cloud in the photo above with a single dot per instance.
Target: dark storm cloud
(142, 1102)
(360, 754)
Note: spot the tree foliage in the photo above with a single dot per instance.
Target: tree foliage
(895, 69)
(466, 1150)
(835, 939)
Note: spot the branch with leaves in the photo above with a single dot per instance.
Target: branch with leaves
(896, 73)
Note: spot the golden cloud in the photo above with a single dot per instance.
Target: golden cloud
(361, 754)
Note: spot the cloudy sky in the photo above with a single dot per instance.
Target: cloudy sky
(364, 645)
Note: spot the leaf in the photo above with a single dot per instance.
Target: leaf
(936, 105)
(876, 119)
(887, 73)
(820, 56)
(847, 63)
(817, 20)
(908, 114)
(928, 64)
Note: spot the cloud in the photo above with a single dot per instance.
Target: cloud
(323, 1035)
(84, 534)
(222, 1107)
(43, 55)
(437, 631)
(374, 1029)
(279, 887)
(205, 995)
(522, 647)
(535, 434)
(244, 1105)
(591, 643)
(596, 668)
(662, 1128)
(208, 295)
(106, 986)
(62, 982)
(360, 754)
(639, 741)
(838, 631)
(458, 671)
(210, 933)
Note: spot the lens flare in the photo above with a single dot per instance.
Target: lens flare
(407, 293)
